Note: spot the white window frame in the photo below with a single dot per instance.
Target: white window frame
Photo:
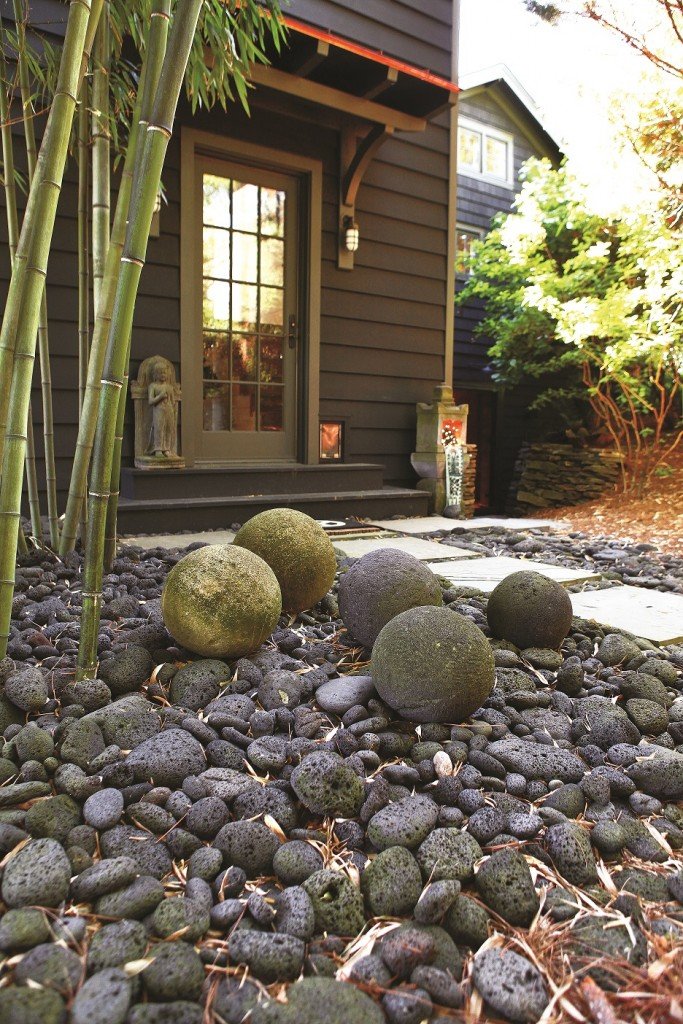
(487, 131)
(478, 234)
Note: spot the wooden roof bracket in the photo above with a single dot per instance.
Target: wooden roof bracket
(356, 155)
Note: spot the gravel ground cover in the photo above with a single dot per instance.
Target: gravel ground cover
(195, 840)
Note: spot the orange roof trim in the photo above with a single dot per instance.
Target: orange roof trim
(363, 51)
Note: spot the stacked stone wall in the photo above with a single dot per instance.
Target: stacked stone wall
(553, 475)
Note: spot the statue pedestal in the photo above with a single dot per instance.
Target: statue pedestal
(439, 423)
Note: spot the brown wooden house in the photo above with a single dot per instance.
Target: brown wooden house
(300, 361)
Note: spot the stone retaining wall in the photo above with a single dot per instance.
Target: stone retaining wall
(552, 475)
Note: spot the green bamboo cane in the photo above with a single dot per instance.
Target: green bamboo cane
(82, 235)
(157, 43)
(10, 188)
(78, 484)
(101, 183)
(26, 289)
(32, 479)
(43, 336)
(143, 199)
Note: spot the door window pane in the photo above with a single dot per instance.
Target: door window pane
(216, 407)
(272, 212)
(272, 313)
(272, 261)
(216, 356)
(496, 157)
(244, 348)
(244, 315)
(244, 397)
(469, 149)
(244, 257)
(216, 304)
(217, 253)
(244, 207)
(216, 200)
(271, 360)
(272, 407)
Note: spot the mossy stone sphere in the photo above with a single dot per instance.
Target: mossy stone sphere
(432, 665)
(298, 551)
(221, 601)
(530, 610)
(379, 586)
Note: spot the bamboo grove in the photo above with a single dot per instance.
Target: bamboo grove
(111, 92)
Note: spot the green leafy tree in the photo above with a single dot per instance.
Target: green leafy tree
(590, 308)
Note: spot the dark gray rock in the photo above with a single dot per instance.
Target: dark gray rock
(176, 972)
(510, 984)
(51, 966)
(194, 686)
(270, 957)
(103, 810)
(337, 903)
(27, 689)
(448, 853)
(53, 818)
(436, 900)
(104, 877)
(294, 913)
(338, 695)
(467, 923)
(570, 848)
(392, 883)
(103, 999)
(31, 1006)
(593, 945)
(82, 743)
(343, 1004)
(327, 786)
(505, 885)
(151, 855)
(404, 823)
(176, 1012)
(135, 901)
(296, 861)
(538, 761)
(39, 874)
(185, 917)
(114, 945)
(23, 929)
(248, 844)
(659, 774)
(127, 670)
(168, 758)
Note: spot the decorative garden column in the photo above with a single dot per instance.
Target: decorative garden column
(442, 459)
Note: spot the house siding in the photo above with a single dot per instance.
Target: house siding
(383, 325)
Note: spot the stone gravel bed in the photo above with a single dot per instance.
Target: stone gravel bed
(186, 840)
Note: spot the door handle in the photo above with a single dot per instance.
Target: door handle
(292, 331)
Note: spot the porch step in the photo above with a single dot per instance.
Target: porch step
(150, 515)
(257, 479)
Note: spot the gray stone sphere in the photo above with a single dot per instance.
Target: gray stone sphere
(530, 610)
(298, 551)
(432, 665)
(379, 586)
(221, 601)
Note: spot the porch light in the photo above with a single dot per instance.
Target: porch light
(331, 441)
(351, 235)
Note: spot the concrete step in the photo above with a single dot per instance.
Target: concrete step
(256, 479)
(155, 515)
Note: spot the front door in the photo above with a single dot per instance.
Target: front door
(246, 332)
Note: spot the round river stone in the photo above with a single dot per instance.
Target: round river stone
(433, 665)
(221, 601)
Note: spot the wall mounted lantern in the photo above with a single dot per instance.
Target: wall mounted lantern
(351, 235)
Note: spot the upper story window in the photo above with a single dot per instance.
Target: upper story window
(485, 152)
(465, 237)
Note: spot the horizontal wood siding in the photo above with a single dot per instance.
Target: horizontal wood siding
(383, 324)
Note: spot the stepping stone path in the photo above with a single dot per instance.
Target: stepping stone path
(486, 573)
(430, 524)
(422, 549)
(646, 613)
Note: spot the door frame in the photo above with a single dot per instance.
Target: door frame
(194, 143)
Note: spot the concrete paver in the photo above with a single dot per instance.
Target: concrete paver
(647, 613)
(180, 540)
(427, 524)
(425, 550)
(487, 573)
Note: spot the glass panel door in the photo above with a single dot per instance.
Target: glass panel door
(248, 299)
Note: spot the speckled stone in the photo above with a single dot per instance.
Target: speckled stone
(504, 883)
(510, 984)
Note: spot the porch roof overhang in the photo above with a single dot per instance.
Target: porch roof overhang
(368, 85)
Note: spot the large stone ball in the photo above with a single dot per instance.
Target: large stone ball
(298, 551)
(432, 665)
(221, 601)
(379, 586)
(530, 610)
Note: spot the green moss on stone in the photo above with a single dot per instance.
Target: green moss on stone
(530, 610)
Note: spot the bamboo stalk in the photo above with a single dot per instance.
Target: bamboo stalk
(43, 334)
(32, 479)
(143, 199)
(101, 183)
(83, 248)
(157, 48)
(22, 312)
(10, 187)
(78, 484)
